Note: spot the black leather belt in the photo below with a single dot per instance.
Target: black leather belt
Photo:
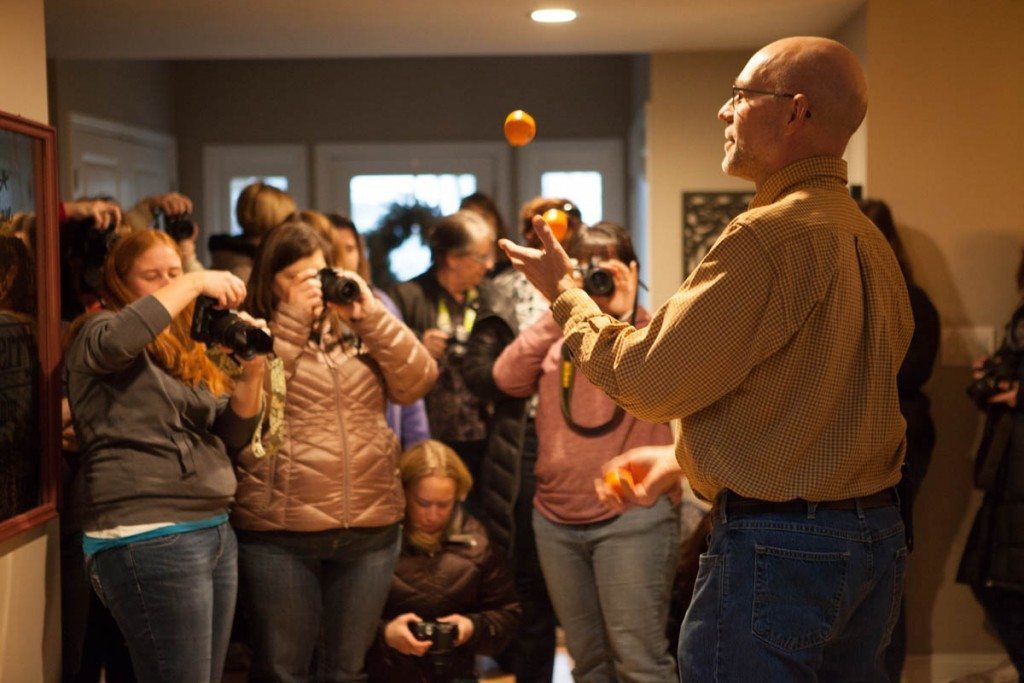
(735, 503)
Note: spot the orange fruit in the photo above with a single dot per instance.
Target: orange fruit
(519, 128)
(558, 221)
(615, 478)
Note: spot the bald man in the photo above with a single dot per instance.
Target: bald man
(779, 356)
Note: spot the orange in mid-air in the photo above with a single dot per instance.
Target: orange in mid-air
(519, 128)
(558, 222)
(614, 479)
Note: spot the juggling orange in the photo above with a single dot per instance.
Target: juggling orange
(519, 128)
(614, 479)
(558, 221)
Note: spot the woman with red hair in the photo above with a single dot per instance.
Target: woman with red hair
(155, 420)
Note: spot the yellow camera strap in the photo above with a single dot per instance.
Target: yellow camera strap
(264, 441)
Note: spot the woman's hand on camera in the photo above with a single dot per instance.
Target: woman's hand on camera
(399, 637)
(306, 293)
(465, 625)
(253, 368)
(1007, 394)
(356, 310)
(625, 278)
(224, 286)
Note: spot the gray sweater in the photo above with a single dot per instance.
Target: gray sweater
(153, 448)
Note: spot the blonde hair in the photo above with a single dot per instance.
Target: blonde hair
(426, 459)
(261, 208)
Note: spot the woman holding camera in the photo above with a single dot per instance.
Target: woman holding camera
(451, 597)
(608, 574)
(318, 520)
(155, 420)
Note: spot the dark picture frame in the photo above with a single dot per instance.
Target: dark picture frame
(29, 372)
(705, 215)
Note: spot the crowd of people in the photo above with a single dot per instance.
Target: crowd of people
(268, 451)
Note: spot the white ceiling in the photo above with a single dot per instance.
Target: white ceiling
(210, 29)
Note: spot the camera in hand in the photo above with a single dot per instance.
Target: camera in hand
(442, 636)
(1003, 366)
(596, 280)
(211, 325)
(456, 344)
(338, 289)
(178, 228)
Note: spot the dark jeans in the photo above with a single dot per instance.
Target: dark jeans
(531, 655)
(173, 598)
(1005, 611)
(788, 596)
(301, 588)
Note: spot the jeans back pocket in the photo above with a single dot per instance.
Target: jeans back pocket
(797, 596)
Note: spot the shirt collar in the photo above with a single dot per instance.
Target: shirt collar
(824, 171)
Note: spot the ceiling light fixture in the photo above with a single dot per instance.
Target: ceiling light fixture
(553, 16)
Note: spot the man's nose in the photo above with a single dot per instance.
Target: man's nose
(725, 113)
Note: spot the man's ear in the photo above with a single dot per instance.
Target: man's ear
(799, 113)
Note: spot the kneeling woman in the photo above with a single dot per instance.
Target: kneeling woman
(155, 422)
(318, 520)
(448, 573)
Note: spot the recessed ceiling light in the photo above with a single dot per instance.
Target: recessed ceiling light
(552, 16)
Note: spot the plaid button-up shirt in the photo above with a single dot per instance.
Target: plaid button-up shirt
(779, 353)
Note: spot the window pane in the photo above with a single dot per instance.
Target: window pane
(373, 195)
(582, 187)
(239, 183)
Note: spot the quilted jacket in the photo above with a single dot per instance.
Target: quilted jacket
(338, 462)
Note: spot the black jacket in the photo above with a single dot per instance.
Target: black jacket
(994, 555)
(465, 577)
(496, 328)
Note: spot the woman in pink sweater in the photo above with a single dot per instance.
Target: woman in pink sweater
(609, 574)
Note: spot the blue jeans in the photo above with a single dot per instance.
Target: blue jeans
(610, 583)
(173, 598)
(301, 590)
(795, 596)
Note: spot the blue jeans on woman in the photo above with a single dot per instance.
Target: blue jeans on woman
(610, 583)
(173, 598)
(795, 596)
(306, 591)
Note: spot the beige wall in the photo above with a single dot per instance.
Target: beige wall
(29, 570)
(684, 150)
(944, 149)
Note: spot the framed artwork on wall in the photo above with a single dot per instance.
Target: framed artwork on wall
(29, 326)
(705, 215)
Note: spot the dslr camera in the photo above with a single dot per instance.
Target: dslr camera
(338, 289)
(178, 228)
(442, 637)
(1003, 365)
(211, 325)
(596, 280)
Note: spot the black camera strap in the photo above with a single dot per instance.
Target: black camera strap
(567, 377)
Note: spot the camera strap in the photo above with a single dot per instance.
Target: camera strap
(567, 377)
(264, 441)
(444, 317)
(269, 442)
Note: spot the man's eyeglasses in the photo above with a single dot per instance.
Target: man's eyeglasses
(739, 92)
(483, 259)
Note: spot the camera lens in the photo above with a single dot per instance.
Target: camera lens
(598, 282)
(338, 289)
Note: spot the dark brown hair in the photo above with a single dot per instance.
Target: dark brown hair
(604, 240)
(879, 213)
(281, 247)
